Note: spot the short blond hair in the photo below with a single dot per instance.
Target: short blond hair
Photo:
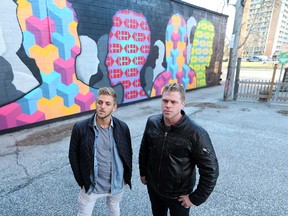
(108, 91)
(175, 87)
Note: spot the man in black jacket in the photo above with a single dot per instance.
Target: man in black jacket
(100, 155)
(172, 146)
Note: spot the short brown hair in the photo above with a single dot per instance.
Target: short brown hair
(175, 87)
(108, 91)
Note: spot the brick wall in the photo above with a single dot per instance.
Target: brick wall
(54, 55)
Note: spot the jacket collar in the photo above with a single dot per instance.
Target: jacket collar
(178, 124)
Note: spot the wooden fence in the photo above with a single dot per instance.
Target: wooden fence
(262, 90)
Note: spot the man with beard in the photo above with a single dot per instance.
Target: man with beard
(100, 155)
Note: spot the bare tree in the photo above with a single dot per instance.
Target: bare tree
(249, 31)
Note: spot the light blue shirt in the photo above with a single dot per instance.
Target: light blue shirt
(117, 169)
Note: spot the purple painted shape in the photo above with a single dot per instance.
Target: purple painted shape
(66, 69)
(85, 101)
(24, 119)
(8, 114)
(41, 29)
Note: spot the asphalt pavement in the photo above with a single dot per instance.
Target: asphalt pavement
(250, 140)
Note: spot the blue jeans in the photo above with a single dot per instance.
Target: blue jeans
(160, 205)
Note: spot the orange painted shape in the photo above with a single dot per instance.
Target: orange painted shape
(180, 61)
(60, 3)
(193, 85)
(83, 88)
(44, 57)
(73, 31)
(24, 10)
(70, 110)
(52, 107)
(169, 47)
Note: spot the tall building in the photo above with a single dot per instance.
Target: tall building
(266, 24)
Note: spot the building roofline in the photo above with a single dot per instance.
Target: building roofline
(198, 7)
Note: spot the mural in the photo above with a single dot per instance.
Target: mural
(16, 77)
(54, 64)
(177, 70)
(202, 50)
(129, 46)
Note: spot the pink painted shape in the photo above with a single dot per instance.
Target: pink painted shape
(41, 29)
(66, 68)
(179, 76)
(85, 101)
(24, 119)
(160, 81)
(191, 76)
(8, 115)
(175, 37)
(75, 51)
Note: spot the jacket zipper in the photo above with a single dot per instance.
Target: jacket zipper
(162, 150)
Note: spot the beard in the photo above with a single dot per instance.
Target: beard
(103, 115)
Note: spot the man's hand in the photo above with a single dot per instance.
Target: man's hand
(185, 201)
(143, 180)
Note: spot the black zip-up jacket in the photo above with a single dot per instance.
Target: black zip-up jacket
(168, 157)
(81, 150)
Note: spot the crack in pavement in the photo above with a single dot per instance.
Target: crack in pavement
(30, 180)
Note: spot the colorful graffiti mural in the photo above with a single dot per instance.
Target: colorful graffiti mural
(129, 46)
(202, 50)
(49, 70)
(177, 69)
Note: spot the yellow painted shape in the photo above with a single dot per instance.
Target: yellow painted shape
(93, 106)
(73, 31)
(198, 51)
(44, 57)
(201, 83)
(51, 107)
(203, 67)
(180, 61)
(24, 10)
(200, 75)
(169, 47)
(181, 47)
(196, 42)
(176, 22)
(75, 108)
(83, 88)
(193, 84)
(203, 43)
(60, 3)
(153, 92)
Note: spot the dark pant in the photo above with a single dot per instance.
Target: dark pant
(160, 205)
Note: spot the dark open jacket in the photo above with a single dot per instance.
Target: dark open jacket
(168, 158)
(81, 150)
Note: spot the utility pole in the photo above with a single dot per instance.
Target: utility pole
(234, 43)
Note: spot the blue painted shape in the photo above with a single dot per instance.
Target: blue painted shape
(64, 44)
(68, 93)
(182, 31)
(29, 101)
(28, 42)
(174, 54)
(94, 91)
(62, 18)
(169, 31)
(39, 8)
(173, 68)
(50, 83)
